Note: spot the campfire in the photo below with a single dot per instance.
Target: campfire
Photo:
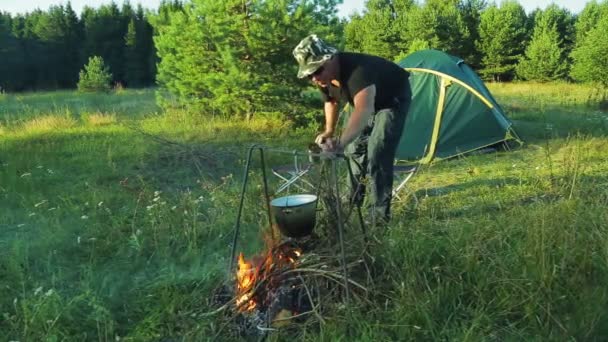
(261, 272)
(269, 291)
(308, 269)
(294, 282)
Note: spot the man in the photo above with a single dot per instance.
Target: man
(378, 90)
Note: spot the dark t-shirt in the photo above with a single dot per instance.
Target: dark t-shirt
(358, 71)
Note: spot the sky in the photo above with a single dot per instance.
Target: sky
(347, 8)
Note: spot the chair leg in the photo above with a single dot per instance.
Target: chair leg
(401, 185)
(288, 182)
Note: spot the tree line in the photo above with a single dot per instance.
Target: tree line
(501, 41)
(47, 49)
(233, 57)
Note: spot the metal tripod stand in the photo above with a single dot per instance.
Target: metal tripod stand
(334, 187)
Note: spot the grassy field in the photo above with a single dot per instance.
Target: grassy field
(116, 221)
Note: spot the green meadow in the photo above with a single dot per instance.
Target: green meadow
(116, 220)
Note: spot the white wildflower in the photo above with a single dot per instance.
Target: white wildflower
(156, 199)
(31, 214)
(78, 240)
(150, 207)
(51, 209)
(39, 167)
(49, 292)
(49, 171)
(174, 207)
(37, 291)
(20, 225)
(40, 203)
(157, 193)
(100, 204)
(84, 217)
(27, 174)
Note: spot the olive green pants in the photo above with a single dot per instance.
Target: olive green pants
(372, 156)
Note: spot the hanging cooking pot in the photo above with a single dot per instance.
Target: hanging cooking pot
(295, 215)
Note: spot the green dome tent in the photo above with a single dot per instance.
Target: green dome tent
(452, 112)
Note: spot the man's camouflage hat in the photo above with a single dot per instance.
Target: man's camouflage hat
(311, 53)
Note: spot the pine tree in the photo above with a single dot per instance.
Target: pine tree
(588, 19)
(59, 35)
(501, 40)
(544, 58)
(233, 57)
(145, 46)
(591, 55)
(73, 38)
(95, 76)
(471, 16)
(417, 45)
(377, 31)
(10, 55)
(441, 24)
(135, 63)
(105, 30)
(564, 24)
(34, 76)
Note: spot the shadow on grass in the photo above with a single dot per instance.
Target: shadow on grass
(111, 154)
(539, 126)
(560, 191)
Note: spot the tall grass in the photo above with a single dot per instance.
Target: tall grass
(115, 225)
(559, 94)
(129, 104)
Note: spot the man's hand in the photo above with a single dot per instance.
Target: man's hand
(321, 138)
(331, 148)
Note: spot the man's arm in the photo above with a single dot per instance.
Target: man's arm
(331, 118)
(364, 109)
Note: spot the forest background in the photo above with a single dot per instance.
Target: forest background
(203, 55)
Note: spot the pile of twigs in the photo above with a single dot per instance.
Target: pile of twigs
(302, 293)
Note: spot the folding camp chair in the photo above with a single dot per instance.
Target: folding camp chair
(293, 174)
(402, 174)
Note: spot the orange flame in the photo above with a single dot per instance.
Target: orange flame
(247, 274)
(245, 279)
